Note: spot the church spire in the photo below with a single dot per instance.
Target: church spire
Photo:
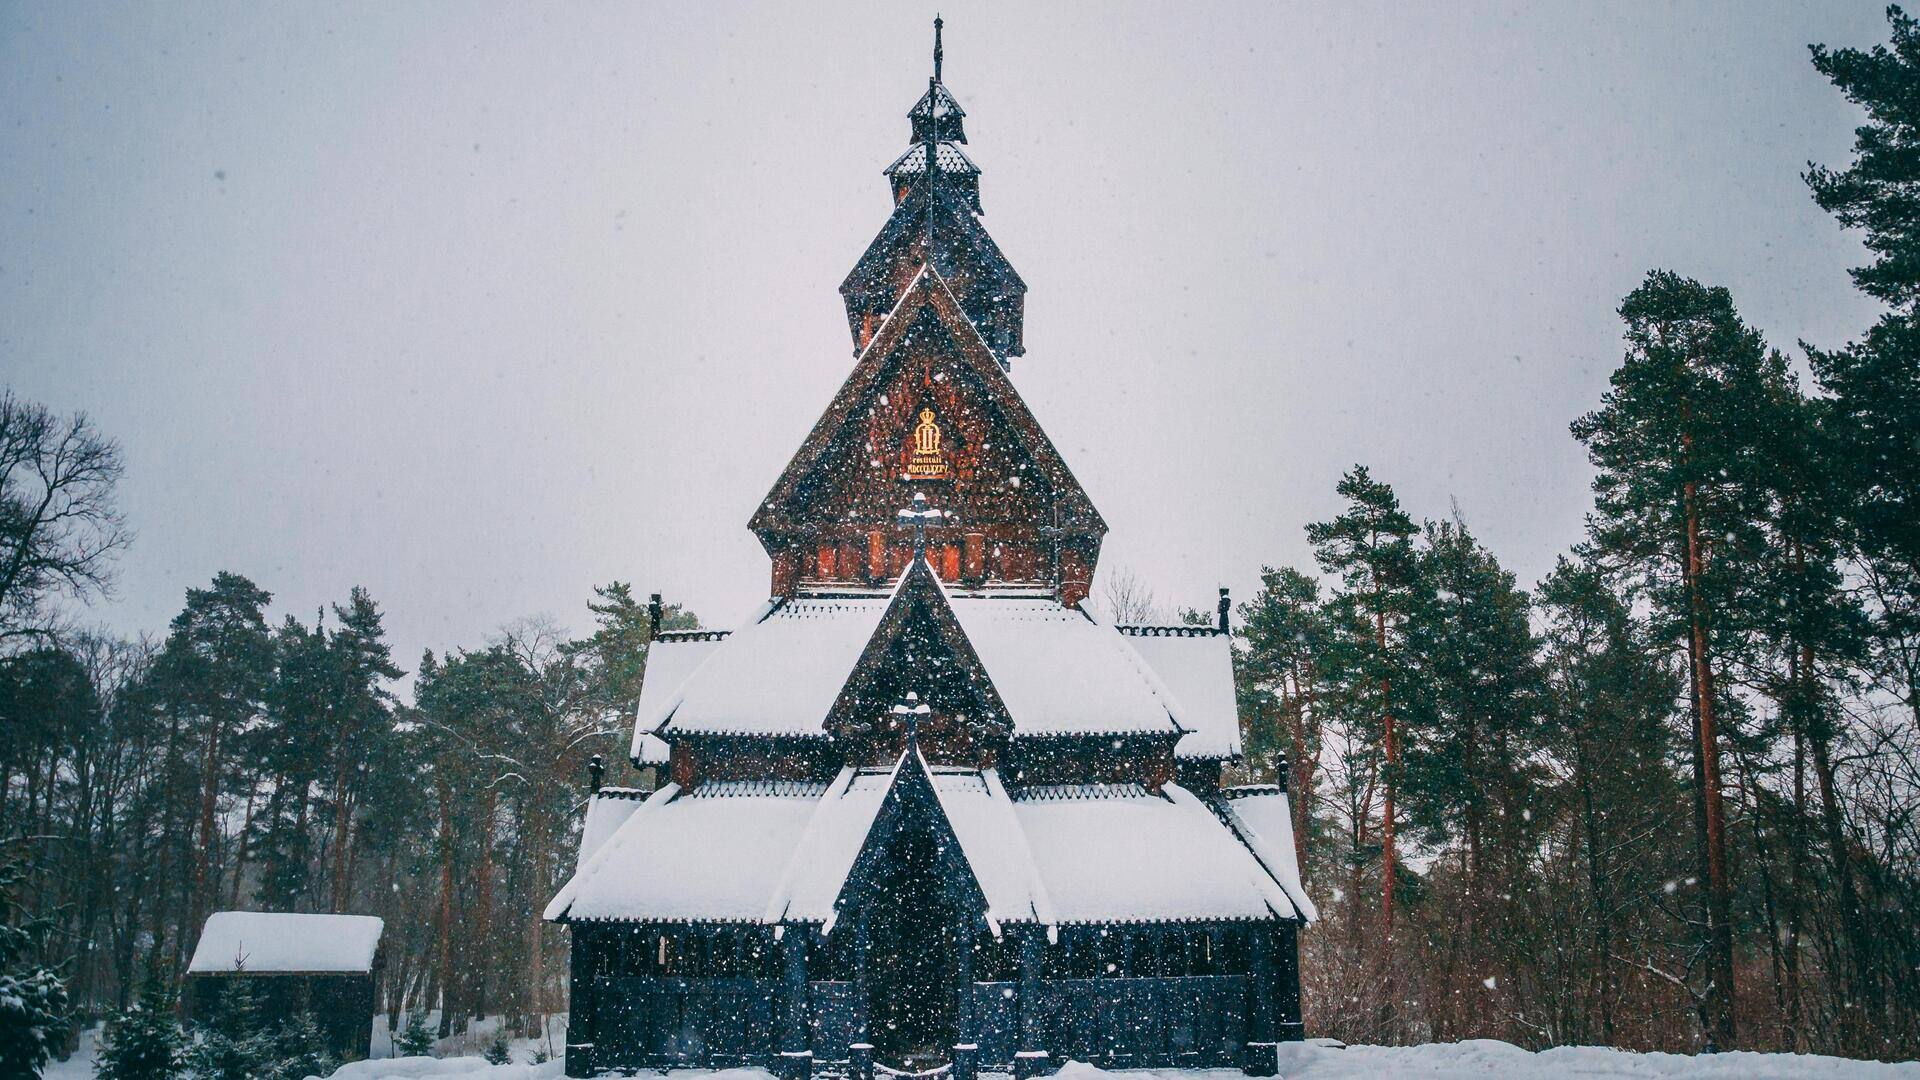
(936, 223)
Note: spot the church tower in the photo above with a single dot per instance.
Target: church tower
(935, 310)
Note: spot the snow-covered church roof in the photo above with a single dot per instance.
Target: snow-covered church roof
(773, 852)
(1058, 670)
(1196, 666)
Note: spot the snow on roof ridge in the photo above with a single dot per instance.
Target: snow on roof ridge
(689, 635)
(782, 894)
(1168, 630)
(1269, 886)
(1055, 792)
(1275, 856)
(557, 907)
(749, 789)
(621, 793)
(1175, 711)
(1038, 898)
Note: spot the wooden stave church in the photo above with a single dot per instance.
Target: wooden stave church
(900, 804)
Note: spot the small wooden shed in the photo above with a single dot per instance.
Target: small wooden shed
(329, 965)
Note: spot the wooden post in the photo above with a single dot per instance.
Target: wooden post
(966, 1047)
(580, 1022)
(1286, 979)
(1261, 1058)
(796, 1061)
(862, 944)
(1031, 1058)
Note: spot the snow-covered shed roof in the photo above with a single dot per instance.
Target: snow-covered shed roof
(1196, 666)
(669, 662)
(272, 942)
(1119, 853)
(607, 810)
(1263, 818)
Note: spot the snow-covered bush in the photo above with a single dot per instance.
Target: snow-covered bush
(33, 997)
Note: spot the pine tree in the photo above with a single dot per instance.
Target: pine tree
(299, 1051)
(497, 1052)
(33, 997)
(1285, 636)
(1678, 514)
(214, 672)
(1471, 764)
(145, 1041)
(236, 1041)
(1874, 383)
(362, 718)
(1610, 697)
(1369, 547)
(416, 1039)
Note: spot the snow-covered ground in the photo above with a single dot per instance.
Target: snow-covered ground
(1474, 1060)
(1481, 1059)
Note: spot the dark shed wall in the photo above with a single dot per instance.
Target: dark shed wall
(342, 1004)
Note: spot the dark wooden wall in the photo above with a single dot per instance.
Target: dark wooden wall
(1149, 996)
(342, 1005)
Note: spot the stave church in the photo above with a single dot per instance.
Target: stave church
(925, 809)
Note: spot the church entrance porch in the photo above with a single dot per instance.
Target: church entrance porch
(912, 989)
(917, 934)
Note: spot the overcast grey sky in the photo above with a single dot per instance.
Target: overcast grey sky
(480, 305)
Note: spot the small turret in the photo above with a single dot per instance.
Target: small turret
(936, 221)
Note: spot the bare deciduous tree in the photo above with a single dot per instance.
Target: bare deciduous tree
(1127, 599)
(59, 525)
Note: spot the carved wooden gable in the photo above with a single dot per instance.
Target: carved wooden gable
(928, 410)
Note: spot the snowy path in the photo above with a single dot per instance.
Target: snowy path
(1475, 1060)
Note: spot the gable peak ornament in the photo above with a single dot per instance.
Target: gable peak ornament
(918, 515)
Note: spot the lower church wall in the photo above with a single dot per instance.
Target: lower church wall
(1152, 996)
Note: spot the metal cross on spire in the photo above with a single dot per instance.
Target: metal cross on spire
(908, 715)
(918, 515)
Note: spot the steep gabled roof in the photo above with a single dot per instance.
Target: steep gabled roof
(927, 296)
(919, 595)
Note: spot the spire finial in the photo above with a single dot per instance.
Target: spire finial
(936, 48)
(908, 715)
(918, 515)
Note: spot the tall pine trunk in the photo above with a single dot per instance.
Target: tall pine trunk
(1720, 991)
(342, 818)
(445, 919)
(209, 800)
(1388, 777)
(1852, 919)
